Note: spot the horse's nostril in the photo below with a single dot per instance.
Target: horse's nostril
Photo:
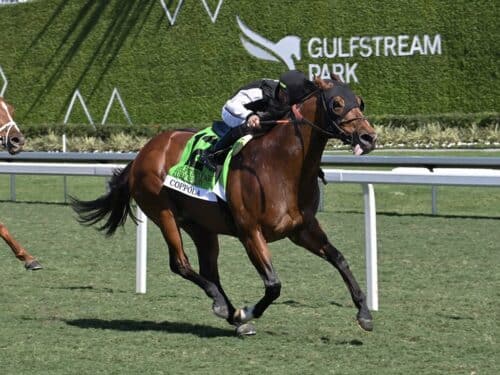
(17, 141)
(368, 138)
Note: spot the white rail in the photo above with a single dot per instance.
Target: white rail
(89, 169)
(401, 176)
(404, 176)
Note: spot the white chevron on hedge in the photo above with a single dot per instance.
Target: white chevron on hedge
(172, 18)
(213, 16)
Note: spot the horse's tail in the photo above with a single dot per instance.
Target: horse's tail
(115, 205)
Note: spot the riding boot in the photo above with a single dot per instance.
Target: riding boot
(215, 154)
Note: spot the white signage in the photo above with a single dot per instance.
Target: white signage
(11, 2)
(325, 53)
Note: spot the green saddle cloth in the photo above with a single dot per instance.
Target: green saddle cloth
(190, 175)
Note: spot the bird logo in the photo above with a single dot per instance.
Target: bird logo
(284, 50)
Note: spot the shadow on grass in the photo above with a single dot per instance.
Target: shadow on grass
(34, 202)
(454, 317)
(348, 342)
(293, 303)
(88, 288)
(146, 325)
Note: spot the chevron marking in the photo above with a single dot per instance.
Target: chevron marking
(171, 18)
(213, 16)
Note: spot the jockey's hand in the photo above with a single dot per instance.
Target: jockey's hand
(253, 122)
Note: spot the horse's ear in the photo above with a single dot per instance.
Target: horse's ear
(323, 85)
(334, 77)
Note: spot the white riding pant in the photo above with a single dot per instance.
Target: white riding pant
(230, 119)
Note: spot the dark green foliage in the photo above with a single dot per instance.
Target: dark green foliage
(183, 73)
(446, 120)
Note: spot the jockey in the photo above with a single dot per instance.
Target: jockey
(261, 100)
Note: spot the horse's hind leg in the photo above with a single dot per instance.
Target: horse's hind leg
(207, 246)
(30, 263)
(159, 210)
(314, 239)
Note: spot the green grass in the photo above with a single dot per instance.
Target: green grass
(438, 284)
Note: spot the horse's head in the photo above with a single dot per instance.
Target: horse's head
(10, 135)
(343, 115)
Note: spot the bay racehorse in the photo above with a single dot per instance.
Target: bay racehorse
(272, 193)
(13, 140)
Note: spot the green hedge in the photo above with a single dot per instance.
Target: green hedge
(183, 73)
(445, 120)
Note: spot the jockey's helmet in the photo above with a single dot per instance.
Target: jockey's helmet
(295, 85)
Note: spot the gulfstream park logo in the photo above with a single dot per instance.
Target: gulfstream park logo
(288, 50)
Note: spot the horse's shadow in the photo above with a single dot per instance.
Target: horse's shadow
(147, 325)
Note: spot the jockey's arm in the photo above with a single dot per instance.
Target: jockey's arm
(236, 104)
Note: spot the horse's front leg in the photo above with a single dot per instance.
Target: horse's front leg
(259, 254)
(30, 263)
(314, 239)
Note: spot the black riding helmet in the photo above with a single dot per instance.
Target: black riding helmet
(296, 85)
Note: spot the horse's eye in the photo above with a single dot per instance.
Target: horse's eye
(338, 104)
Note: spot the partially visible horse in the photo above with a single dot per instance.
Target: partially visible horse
(272, 193)
(13, 140)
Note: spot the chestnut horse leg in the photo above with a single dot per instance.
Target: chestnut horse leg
(30, 263)
(314, 239)
(207, 247)
(160, 210)
(259, 254)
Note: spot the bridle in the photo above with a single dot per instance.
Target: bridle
(334, 121)
(6, 128)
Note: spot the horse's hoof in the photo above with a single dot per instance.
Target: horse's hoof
(246, 329)
(366, 324)
(220, 311)
(33, 265)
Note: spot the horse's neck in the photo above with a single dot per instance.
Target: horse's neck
(305, 145)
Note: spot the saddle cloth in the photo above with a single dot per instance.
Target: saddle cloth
(191, 177)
